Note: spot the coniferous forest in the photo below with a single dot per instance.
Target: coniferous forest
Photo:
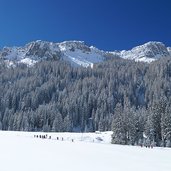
(133, 99)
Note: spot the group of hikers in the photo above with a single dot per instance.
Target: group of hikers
(147, 146)
(49, 137)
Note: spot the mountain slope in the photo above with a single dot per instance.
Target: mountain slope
(78, 53)
(148, 52)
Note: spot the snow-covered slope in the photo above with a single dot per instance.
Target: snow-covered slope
(78, 53)
(22, 152)
(148, 52)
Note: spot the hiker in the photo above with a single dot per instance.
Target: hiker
(57, 138)
(152, 144)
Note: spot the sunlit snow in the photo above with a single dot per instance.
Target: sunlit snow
(88, 152)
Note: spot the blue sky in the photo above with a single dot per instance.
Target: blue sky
(106, 24)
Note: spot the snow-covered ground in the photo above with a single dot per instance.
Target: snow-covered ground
(20, 151)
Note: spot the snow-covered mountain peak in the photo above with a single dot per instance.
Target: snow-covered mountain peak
(155, 47)
(147, 52)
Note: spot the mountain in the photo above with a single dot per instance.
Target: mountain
(54, 96)
(147, 53)
(78, 53)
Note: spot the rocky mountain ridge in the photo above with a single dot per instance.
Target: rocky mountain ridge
(78, 53)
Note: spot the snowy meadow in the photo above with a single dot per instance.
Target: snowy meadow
(21, 151)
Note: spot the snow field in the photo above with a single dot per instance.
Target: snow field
(20, 151)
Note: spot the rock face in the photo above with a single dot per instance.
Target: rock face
(78, 53)
(31, 53)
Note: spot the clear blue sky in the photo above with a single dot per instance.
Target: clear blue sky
(106, 24)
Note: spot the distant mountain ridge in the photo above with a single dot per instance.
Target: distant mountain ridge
(78, 53)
